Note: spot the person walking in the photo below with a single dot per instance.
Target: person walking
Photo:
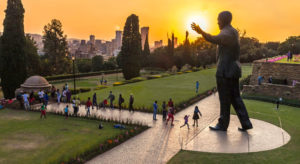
(69, 95)
(26, 101)
(171, 116)
(43, 112)
(197, 86)
(131, 101)
(88, 106)
(228, 72)
(196, 115)
(95, 101)
(154, 110)
(41, 95)
(171, 103)
(46, 99)
(58, 96)
(186, 121)
(164, 110)
(111, 98)
(67, 112)
(121, 101)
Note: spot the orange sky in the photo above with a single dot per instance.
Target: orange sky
(267, 20)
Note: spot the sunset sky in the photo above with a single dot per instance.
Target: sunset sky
(267, 20)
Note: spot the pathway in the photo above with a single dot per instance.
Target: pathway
(161, 142)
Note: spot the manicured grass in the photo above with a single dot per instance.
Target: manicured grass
(89, 82)
(263, 111)
(25, 138)
(178, 87)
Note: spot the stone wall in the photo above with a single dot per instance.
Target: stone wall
(276, 70)
(273, 90)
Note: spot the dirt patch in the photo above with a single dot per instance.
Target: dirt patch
(12, 115)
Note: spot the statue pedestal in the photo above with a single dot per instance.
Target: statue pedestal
(264, 136)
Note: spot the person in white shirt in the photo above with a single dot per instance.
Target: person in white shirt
(41, 95)
(26, 102)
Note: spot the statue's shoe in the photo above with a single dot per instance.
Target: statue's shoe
(244, 129)
(217, 128)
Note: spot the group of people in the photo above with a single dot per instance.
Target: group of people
(167, 110)
(196, 116)
(64, 96)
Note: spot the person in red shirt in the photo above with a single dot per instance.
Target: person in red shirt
(88, 106)
(170, 103)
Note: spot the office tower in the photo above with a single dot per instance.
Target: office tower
(92, 39)
(158, 44)
(175, 42)
(118, 39)
(144, 33)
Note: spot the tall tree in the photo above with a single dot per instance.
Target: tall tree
(130, 55)
(146, 53)
(56, 48)
(12, 53)
(33, 64)
(97, 63)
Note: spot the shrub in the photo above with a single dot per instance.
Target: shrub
(137, 79)
(179, 73)
(185, 68)
(245, 81)
(118, 83)
(82, 90)
(154, 77)
(188, 71)
(74, 92)
(101, 87)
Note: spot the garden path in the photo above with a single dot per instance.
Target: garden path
(161, 142)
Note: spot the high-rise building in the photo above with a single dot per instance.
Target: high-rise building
(144, 33)
(175, 42)
(92, 39)
(158, 44)
(118, 39)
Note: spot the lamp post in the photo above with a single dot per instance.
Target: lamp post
(73, 60)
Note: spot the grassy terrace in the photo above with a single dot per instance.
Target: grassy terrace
(178, 87)
(25, 138)
(263, 111)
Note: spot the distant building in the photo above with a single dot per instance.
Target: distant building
(118, 39)
(175, 42)
(92, 39)
(144, 33)
(158, 44)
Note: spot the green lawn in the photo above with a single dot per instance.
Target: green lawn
(89, 82)
(25, 138)
(263, 111)
(178, 87)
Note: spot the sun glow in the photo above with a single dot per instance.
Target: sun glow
(198, 19)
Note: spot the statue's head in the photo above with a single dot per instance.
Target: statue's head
(224, 19)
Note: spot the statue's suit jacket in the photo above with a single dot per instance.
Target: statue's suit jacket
(228, 52)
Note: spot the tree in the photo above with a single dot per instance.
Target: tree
(56, 48)
(97, 63)
(130, 55)
(292, 44)
(33, 64)
(146, 53)
(12, 53)
(84, 65)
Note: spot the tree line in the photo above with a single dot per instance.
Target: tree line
(19, 58)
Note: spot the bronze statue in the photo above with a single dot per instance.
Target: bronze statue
(228, 72)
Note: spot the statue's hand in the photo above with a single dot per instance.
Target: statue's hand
(196, 28)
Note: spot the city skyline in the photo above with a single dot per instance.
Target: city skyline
(105, 17)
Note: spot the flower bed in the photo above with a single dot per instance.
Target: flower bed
(272, 60)
(99, 87)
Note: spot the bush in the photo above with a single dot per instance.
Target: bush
(101, 87)
(179, 73)
(271, 99)
(119, 83)
(245, 81)
(74, 92)
(82, 90)
(154, 77)
(137, 79)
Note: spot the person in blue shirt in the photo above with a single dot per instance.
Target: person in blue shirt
(154, 110)
(197, 86)
(46, 99)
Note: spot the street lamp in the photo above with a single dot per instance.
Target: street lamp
(73, 60)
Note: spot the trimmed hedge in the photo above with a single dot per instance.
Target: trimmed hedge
(78, 75)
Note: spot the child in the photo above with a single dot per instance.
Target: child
(67, 111)
(196, 115)
(164, 107)
(171, 116)
(43, 111)
(186, 121)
